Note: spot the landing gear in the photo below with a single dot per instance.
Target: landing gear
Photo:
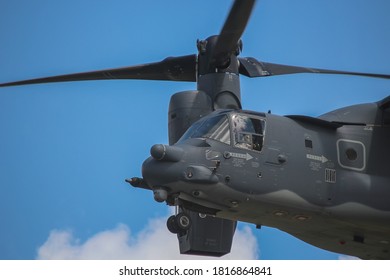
(179, 223)
(183, 221)
(172, 225)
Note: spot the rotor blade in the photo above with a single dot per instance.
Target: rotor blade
(232, 30)
(251, 67)
(182, 68)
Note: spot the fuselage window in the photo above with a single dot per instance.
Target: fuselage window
(248, 132)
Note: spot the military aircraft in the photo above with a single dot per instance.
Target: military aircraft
(323, 180)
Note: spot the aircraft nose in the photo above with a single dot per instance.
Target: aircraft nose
(162, 152)
(171, 167)
(163, 167)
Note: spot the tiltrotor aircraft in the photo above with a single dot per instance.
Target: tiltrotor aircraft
(323, 180)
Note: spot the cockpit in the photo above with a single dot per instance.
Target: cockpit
(240, 129)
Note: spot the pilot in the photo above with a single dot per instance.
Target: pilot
(244, 141)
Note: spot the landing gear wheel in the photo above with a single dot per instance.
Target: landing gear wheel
(172, 225)
(183, 221)
(179, 224)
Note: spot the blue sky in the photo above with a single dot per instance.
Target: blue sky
(66, 148)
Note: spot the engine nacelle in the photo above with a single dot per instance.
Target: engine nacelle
(185, 108)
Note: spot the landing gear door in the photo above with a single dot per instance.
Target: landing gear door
(208, 236)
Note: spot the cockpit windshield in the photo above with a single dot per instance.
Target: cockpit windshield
(239, 129)
(215, 128)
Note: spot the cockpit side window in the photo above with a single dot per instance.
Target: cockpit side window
(248, 132)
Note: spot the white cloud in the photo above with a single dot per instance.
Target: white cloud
(153, 242)
(345, 257)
